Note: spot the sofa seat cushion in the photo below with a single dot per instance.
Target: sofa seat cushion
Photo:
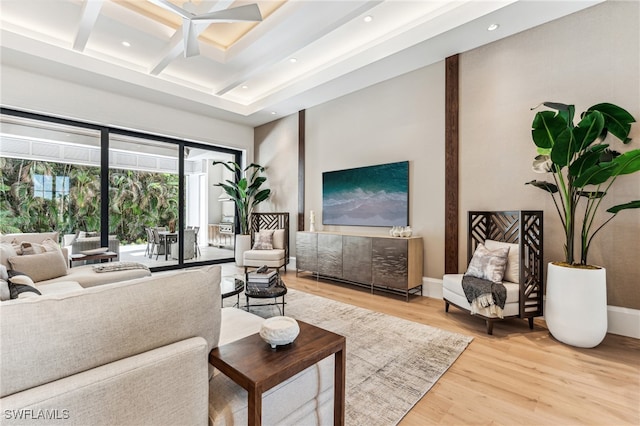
(59, 287)
(264, 255)
(87, 277)
(236, 324)
(453, 292)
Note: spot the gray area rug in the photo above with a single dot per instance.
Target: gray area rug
(391, 362)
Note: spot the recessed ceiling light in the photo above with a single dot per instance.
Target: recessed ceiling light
(368, 18)
(293, 60)
(126, 44)
(273, 113)
(493, 27)
(245, 87)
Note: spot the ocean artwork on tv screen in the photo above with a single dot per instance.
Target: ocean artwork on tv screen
(367, 196)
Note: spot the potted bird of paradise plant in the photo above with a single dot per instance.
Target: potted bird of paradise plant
(583, 168)
(246, 192)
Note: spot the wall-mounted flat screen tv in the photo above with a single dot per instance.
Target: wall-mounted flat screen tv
(367, 196)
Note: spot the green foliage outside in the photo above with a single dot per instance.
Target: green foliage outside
(137, 200)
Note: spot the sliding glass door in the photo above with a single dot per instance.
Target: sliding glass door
(143, 199)
(50, 177)
(153, 197)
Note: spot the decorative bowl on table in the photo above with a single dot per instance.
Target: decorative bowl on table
(279, 330)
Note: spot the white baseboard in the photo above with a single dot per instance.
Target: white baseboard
(432, 287)
(622, 321)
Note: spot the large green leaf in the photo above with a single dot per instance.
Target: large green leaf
(592, 194)
(562, 151)
(627, 163)
(546, 127)
(588, 159)
(588, 130)
(630, 205)
(595, 175)
(617, 120)
(566, 111)
(546, 186)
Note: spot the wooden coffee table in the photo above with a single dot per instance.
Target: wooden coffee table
(252, 364)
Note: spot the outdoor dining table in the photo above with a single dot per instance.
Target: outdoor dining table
(166, 236)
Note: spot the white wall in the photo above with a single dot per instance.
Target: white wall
(27, 91)
(398, 120)
(277, 150)
(586, 58)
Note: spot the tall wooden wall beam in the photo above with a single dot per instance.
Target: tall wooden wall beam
(301, 144)
(451, 225)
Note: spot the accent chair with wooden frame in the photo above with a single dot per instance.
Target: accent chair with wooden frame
(278, 256)
(521, 229)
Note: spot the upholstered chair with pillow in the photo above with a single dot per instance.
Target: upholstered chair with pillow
(270, 241)
(504, 276)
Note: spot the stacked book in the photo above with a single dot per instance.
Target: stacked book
(262, 279)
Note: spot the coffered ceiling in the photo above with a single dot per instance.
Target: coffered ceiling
(303, 52)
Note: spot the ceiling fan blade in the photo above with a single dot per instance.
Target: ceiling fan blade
(172, 8)
(190, 36)
(250, 12)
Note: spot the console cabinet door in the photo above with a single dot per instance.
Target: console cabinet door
(390, 262)
(356, 259)
(307, 251)
(330, 255)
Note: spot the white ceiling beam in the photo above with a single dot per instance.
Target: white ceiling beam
(88, 18)
(176, 45)
(270, 57)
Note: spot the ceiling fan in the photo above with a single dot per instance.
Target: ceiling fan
(248, 13)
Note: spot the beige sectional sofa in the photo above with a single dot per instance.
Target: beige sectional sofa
(53, 267)
(136, 353)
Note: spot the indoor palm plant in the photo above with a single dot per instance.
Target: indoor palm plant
(583, 169)
(245, 191)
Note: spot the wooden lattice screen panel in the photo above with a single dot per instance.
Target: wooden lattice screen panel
(262, 221)
(524, 228)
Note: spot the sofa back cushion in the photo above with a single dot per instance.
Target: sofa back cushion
(42, 266)
(30, 237)
(7, 250)
(278, 239)
(54, 336)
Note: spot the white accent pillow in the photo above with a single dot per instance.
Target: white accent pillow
(22, 279)
(263, 240)
(488, 264)
(512, 270)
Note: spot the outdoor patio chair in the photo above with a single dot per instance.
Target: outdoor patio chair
(196, 247)
(150, 241)
(158, 241)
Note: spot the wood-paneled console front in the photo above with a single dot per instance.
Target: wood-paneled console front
(389, 263)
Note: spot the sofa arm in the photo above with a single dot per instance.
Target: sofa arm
(164, 386)
(65, 334)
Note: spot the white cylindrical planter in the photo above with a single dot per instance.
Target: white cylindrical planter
(243, 243)
(576, 305)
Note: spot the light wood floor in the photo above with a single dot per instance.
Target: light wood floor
(515, 377)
